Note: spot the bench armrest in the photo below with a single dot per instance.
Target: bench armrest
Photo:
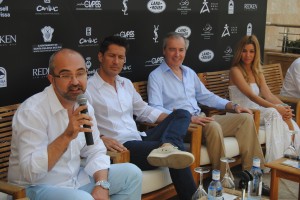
(17, 192)
(119, 157)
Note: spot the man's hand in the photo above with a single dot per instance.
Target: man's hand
(201, 120)
(100, 193)
(76, 122)
(112, 144)
(240, 109)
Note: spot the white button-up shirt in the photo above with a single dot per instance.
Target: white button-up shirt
(167, 92)
(114, 110)
(291, 85)
(36, 124)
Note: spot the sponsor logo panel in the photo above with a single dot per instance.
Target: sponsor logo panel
(8, 40)
(206, 55)
(184, 30)
(88, 39)
(156, 6)
(89, 5)
(184, 8)
(3, 77)
(47, 46)
(4, 10)
(45, 7)
(154, 62)
(207, 32)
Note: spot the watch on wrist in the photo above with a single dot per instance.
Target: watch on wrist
(103, 183)
(234, 105)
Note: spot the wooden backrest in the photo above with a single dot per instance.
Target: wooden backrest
(141, 88)
(216, 82)
(274, 77)
(6, 115)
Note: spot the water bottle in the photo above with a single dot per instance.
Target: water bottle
(255, 186)
(215, 189)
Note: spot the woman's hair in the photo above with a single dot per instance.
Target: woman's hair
(256, 64)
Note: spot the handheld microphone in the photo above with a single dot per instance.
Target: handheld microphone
(82, 100)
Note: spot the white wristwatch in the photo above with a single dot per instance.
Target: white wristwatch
(103, 183)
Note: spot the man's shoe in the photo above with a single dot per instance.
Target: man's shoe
(265, 190)
(170, 156)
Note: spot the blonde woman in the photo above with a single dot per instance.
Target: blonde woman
(247, 86)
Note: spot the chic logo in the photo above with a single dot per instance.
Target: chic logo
(184, 30)
(156, 6)
(206, 55)
(88, 40)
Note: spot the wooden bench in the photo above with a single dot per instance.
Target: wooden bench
(274, 79)
(6, 116)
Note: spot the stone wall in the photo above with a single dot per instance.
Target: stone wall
(286, 12)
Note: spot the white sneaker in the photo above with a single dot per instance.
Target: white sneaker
(170, 156)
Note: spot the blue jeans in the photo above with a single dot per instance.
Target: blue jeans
(125, 183)
(171, 130)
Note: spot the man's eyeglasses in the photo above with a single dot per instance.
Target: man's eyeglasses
(68, 77)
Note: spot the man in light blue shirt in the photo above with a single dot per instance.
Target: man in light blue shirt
(175, 86)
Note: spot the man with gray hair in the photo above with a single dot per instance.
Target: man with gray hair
(174, 86)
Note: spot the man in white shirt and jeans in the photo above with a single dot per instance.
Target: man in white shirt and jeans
(48, 142)
(116, 101)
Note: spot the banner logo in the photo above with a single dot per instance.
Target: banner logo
(206, 55)
(250, 7)
(4, 11)
(249, 29)
(8, 40)
(47, 9)
(125, 7)
(155, 33)
(3, 77)
(40, 72)
(184, 30)
(207, 32)
(230, 7)
(89, 5)
(127, 34)
(154, 62)
(156, 6)
(88, 64)
(47, 33)
(184, 7)
(228, 54)
(204, 7)
(88, 40)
